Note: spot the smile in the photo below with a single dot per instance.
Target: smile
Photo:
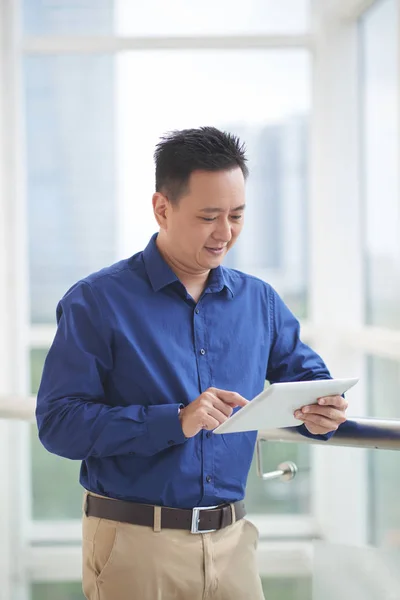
(216, 250)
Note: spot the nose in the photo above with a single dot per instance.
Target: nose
(223, 231)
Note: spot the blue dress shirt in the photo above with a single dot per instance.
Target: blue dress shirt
(131, 347)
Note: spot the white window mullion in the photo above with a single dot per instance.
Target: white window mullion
(41, 336)
(336, 260)
(365, 338)
(14, 466)
(6, 523)
(113, 44)
(275, 559)
(352, 10)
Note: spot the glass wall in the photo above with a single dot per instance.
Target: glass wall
(274, 589)
(156, 18)
(57, 591)
(270, 113)
(384, 486)
(380, 102)
(91, 177)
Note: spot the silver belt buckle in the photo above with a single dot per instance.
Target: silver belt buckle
(196, 518)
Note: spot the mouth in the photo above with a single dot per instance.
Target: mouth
(216, 251)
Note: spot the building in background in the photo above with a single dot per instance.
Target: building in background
(273, 243)
(70, 156)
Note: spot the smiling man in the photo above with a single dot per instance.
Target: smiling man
(150, 355)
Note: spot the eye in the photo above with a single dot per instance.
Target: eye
(236, 217)
(208, 219)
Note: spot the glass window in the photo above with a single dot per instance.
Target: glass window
(354, 572)
(384, 490)
(276, 496)
(287, 588)
(274, 589)
(73, 17)
(381, 159)
(56, 493)
(270, 113)
(57, 591)
(70, 168)
(92, 124)
(156, 17)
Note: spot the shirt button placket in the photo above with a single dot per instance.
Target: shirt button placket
(205, 382)
(201, 348)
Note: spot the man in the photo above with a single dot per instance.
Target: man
(150, 355)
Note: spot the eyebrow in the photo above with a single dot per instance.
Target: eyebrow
(218, 210)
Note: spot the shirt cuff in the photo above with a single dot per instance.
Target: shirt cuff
(164, 426)
(323, 437)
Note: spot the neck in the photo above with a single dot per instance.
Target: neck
(193, 280)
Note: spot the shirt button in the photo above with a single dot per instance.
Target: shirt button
(202, 351)
(171, 442)
(209, 434)
(208, 478)
(197, 311)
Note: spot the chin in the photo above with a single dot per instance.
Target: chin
(212, 263)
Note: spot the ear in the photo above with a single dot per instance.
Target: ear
(161, 208)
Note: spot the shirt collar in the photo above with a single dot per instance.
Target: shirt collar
(218, 280)
(161, 274)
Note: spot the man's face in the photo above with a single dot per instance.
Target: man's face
(206, 221)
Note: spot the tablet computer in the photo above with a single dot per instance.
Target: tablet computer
(275, 406)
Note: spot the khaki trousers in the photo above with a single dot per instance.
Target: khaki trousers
(131, 562)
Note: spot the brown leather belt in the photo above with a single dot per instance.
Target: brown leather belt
(197, 520)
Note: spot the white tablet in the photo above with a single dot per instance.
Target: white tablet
(275, 406)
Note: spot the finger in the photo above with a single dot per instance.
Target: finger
(231, 398)
(336, 401)
(209, 423)
(215, 402)
(209, 400)
(320, 421)
(217, 414)
(326, 411)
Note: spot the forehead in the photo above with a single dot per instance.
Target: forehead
(222, 189)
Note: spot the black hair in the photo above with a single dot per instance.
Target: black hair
(179, 153)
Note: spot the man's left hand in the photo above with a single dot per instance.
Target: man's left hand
(326, 416)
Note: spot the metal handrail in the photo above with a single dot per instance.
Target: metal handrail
(285, 472)
(378, 434)
(363, 432)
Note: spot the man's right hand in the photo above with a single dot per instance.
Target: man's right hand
(209, 410)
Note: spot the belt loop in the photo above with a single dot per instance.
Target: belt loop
(233, 511)
(157, 519)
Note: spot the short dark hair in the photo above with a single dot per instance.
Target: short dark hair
(179, 153)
